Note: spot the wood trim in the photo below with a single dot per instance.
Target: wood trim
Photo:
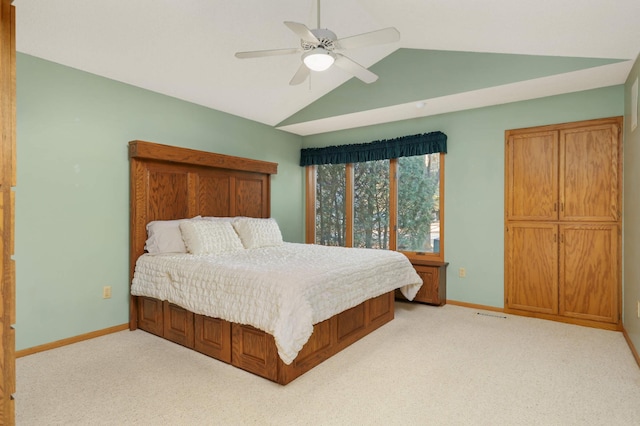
(474, 306)
(71, 340)
(441, 205)
(393, 204)
(634, 351)
(567, 320)
(154, 151)
(428, 262)
(7, 208)
(348, 205)
(310, 204)
(568, 125)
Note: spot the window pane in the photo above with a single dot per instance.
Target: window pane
(330, 208)
(371, 204)
(419, 203)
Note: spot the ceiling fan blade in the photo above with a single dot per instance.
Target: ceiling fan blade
(300, 76)
(263, 53)
(302, 31)
(354, 68)
(386, 35)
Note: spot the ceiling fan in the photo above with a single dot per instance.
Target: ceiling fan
(320, 48)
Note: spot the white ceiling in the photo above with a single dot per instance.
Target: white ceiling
(185, 48)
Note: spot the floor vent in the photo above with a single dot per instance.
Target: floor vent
(491, 315)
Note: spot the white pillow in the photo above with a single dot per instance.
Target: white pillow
(256, 232)
(163, 236)
(210, 237)
(219, 218)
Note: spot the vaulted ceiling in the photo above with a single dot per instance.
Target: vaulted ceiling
(452, 54)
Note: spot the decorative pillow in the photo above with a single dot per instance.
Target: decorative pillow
(163, 236)
(219, 218)
(256, 232)
(210, 237)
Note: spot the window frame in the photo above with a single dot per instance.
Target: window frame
(310, 209)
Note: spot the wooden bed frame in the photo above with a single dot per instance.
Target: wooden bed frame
(173, 183)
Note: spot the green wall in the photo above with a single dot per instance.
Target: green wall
(72, 199)
(474, 177)
(631, 216)
(72, 205)
(411, 75)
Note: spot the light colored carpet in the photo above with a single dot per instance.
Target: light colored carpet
(430, 366)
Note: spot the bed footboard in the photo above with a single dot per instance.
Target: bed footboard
(254, 350)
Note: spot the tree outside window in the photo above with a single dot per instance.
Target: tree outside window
(385, 204)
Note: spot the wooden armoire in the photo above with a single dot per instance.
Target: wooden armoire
(563, 202)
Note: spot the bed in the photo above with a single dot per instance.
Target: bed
(170, 184)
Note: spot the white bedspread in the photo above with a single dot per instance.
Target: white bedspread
(282, 290)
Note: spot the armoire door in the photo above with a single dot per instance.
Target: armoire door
(532, 267)
(532, 176)
(589, 174)
(589, 272)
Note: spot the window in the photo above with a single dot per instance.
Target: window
(419, 204)
(330, 221)
(387, 204)
(371, 204)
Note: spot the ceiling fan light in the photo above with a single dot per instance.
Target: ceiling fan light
(318, 59)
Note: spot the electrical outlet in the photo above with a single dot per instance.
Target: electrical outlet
(638, 311)
(106, 292)
(462, 272)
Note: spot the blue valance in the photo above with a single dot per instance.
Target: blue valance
(405, 146)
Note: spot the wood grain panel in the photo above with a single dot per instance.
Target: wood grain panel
(174, 203)
(532, 258)
(249, 197)
(177, 155)
(379, 307)
(589, 271)
(428, 293)
(589, 178)
(178, 325)
(320, 340)
(532, 176)
(350, 321)
(254, 350)
(213, 337)
(150, 315)
(214, 194)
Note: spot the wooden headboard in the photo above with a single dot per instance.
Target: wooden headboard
(173, 183)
